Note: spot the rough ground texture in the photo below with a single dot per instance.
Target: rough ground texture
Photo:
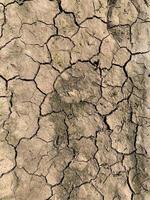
(74, 100)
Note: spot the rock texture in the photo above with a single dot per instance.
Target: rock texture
(74, 100)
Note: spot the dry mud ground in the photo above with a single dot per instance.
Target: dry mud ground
(74, 100)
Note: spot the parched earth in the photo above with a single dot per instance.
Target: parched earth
(74, 100)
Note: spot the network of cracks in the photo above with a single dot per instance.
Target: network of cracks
(74, 100)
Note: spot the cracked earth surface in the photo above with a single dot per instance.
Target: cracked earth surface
(74, 100)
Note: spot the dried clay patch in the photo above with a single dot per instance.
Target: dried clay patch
(74, 100)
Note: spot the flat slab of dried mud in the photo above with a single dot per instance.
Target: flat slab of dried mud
(74, 100)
